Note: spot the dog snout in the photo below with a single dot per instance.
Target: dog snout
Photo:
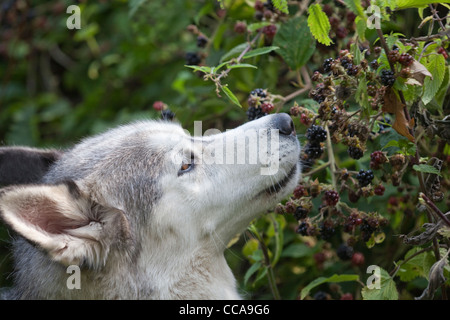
(283, 122)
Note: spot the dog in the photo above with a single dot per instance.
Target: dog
(142, 211)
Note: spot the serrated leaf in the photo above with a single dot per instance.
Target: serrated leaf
(387, 290)
(296, 43)
(426, 168)
(356, 7)
(281, 5)
(436, 65)
(413, 268)
(319, 25)
(259, 51)
(405, 4)
(231, 96)
(361, 26)
(334, 278)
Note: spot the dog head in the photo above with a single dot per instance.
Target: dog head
(144, 184)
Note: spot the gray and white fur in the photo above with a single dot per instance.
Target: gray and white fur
(135, 214)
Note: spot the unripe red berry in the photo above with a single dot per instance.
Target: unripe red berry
(358, 259)
(158, 105)
(379, 190)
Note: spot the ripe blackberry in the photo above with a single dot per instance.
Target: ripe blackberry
(313, 150)
(364, 177)
(201, 41)
(320, 295)
(406, 59)
(352, 70)
(300, 213)
(326, 230)
(255, 113)
(192, 58)
(302, 229)
(269, 5)
(366, 230)
(331, 198)
(327, 65)
(344, 252)
(346, 61)
(259, 92)
(355, 152)
(387, 78)
(316, 134)
(167, 115)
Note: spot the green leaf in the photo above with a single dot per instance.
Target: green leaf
(413, 268)
(297, 250)
(361, 26)
(426, 168)
(281, 5)
(404, 4)
(334, 278)
(356, 7)
(241, 65)
(199, 68)
(259, 51)
(385, 291)
(436, 65)
(296, 42)
(319, 25)
(258, 25)
(231, 96)
(255, 267)
(234, 52)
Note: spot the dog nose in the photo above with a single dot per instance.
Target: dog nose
(283, 122)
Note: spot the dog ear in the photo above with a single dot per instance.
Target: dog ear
(20, 165)
(73, 229)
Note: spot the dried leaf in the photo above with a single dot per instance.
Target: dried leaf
(424, 237)
(436, 279)
(392, 104)
(419, 72)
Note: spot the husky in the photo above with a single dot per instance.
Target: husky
(136, 211)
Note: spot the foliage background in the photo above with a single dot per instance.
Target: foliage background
(58, 86)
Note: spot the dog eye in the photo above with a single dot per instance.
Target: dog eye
(186, 166)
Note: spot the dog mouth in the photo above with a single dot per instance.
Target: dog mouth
(279, 185)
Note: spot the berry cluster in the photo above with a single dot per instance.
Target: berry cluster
(259, 104)
(387, 77)
(313, 149)
(364, 177)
